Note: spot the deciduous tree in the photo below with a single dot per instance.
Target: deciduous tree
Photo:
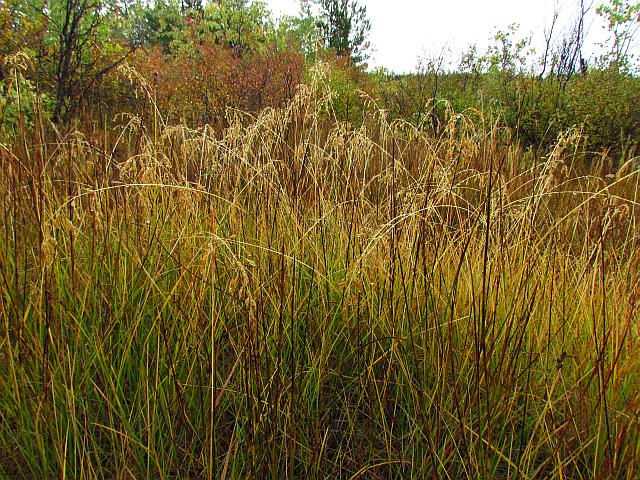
(623, 18)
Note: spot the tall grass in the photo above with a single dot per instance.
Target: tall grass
(299, 299)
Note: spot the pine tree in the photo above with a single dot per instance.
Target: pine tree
(345, 27)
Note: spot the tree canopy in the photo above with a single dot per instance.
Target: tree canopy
(344, 26)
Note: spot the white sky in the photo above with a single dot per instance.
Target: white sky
(403, 30)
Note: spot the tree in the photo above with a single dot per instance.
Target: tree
(85, 48)
(191, 5)
(77, 21)
(623, 18)
(240, 25)
(344, 26)
(299, 33)
(22, 26)
(562, 60)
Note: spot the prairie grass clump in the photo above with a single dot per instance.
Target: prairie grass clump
(297, 298)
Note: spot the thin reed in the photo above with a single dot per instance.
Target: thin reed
(294, 298)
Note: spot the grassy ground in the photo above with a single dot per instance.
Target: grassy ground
(298, 299)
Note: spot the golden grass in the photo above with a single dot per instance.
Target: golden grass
(297, 298)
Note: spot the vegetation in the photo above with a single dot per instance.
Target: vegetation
(344, 26)
(232, 254)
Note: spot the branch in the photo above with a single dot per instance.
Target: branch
(108, 68)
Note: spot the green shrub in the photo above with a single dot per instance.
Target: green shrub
(19, 98)
(608, 104)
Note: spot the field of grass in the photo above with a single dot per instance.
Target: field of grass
(298, 299)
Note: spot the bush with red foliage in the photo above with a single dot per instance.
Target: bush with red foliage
(199, 81)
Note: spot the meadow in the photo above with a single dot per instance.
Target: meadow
(293, 297)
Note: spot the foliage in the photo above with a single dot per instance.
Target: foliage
(607, 103)
(301, 34)
(240, 25)
(198, 82)
(245, 257)
(538, 102)
(158, 24)
(198, 58)
(623, 19)
(22, 27)
(19, 100)
(346, 86)
(344, 26)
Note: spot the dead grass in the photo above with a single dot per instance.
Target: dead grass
(300, 299)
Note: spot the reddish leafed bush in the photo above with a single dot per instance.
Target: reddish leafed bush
(197, 83)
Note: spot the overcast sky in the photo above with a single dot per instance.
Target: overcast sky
(403, 30)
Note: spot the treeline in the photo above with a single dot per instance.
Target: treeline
(537, 96)
(192, 60)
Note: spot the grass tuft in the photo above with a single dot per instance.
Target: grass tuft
(296, 298)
